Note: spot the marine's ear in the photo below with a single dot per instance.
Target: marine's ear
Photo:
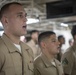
(43, 44)
(4, 21)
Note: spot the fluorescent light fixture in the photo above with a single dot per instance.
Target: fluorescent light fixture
(63, 24)
(32, 20)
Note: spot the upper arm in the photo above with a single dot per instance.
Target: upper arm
(67, 62)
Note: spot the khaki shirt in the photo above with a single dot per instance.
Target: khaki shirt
(12, 62)
(69, 61)
(35, 48)
(44, 67)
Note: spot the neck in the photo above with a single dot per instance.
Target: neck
(35, 41)
(48, 55)
(13, 38)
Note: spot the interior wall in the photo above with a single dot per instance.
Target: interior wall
(67, 35)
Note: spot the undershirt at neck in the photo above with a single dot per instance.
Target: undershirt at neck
(18, 46)
(53, 62)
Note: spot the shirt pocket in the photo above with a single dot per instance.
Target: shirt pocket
(8, 71)
(30, 66)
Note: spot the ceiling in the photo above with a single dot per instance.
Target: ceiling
(37, 9)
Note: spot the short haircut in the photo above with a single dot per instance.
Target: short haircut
(60, 36)
(33, 31)
(44, 36)
(73, 31)
(5, 8)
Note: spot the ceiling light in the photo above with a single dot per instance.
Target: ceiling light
(63, 24)
(32, 20)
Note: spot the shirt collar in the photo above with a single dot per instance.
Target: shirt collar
(10, 45)
(46, 61)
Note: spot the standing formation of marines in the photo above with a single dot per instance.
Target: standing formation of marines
(17, 58)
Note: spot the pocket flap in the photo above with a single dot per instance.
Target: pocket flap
(31, 66)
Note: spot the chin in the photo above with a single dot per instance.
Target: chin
(56, 52)
(24, 33)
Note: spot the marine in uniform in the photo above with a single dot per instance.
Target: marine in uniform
(69, 57)
(12, 61)
(45, 67)
(45, 63)
(33, 43)
(16, 58)
(69, 61)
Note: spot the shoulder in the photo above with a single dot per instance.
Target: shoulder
(69, 49)
(38, 61)
(68, 52)
(29, 42)
(25, 44)
(2, 46)
(68, 56)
